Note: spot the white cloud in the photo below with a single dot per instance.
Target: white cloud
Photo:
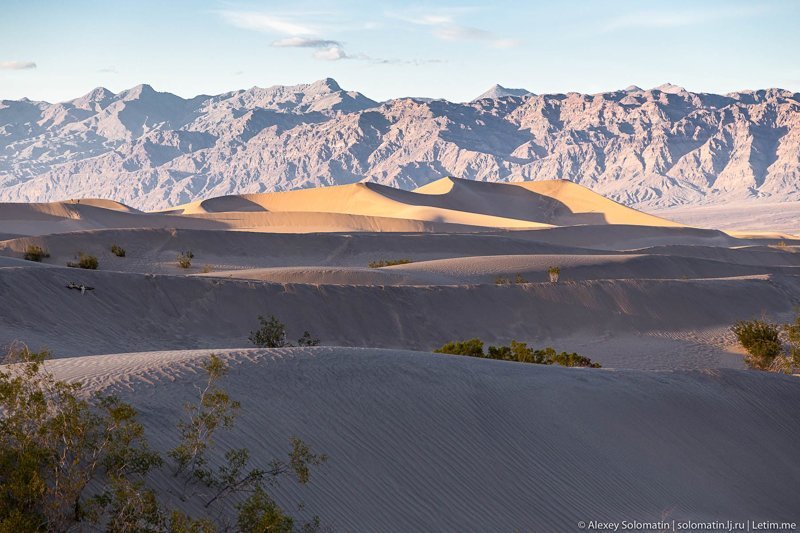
(17, 65)
(444, 26)
(332, 53)
(302, 42)
(257, 21)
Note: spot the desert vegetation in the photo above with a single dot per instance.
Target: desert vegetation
(118, 250)
(516, 351)
(554, 272)
(768, 346)
(70, 462)
(35, 253)
(388, 262)
(86, 261)
(185, 259)
(272, 334)
(502, 280)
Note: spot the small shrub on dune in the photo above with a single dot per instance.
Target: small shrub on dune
(307, 340)
(86, 261)
(388, 262)
(499, 280)
(185, 259)
(35, 253)
(793, 334)
(519, 279)
(761, 340)
(570, 359)
(75, 462)
(272, 334)
(554, 273)
(518, 352)
(207, 269)
(117, 250)
(471, 348)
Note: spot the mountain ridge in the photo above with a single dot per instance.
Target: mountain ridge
(653, 148)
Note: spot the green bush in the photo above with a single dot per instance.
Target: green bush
(86, 261)
(471, 348)
(185, 259)
(517, 351)
(70, 461)
(35, 253)
(793, 334)
(117, 250)
(388, 262)
(761, 340)
(272, 334)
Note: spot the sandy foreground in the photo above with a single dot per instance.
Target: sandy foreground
(671, 427)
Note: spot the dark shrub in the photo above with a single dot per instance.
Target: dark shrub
(185, 259)
(307, 340)
(117, 250)
(271, 334)
(499, 280)
(388, 262)
(761, 340)
(35, 253)
(517, 351)
(571, 359)
(86, 261)
(471, 348)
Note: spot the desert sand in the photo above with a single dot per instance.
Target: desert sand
(671, 426)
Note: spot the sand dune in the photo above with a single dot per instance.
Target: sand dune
(445, 443)
(154, 250)
(484, 269)
(451, 200)
(169, 312)
(557, 202)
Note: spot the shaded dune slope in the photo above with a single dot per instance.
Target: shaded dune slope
(479, 445)
(158, 312)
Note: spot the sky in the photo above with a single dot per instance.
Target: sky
(56, 50)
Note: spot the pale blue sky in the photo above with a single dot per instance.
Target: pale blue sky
(56, 50)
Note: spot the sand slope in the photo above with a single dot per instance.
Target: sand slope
(167, 312)
(424, 442)
(557, 202)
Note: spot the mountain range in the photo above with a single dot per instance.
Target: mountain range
(653, 148)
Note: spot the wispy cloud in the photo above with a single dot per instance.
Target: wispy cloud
(444, 26)
(296, 32)
(677, 18)
(17, 65)
(332, 53)
(265, 22)
(302, 42)
(326, 49)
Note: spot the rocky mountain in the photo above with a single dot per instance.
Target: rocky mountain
(498, 91)
(647, 148)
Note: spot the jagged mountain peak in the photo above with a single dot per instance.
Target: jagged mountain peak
(325, 84)
(670, 88)
(498, 91)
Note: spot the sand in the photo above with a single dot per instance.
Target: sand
(424, 442)
(671, 426)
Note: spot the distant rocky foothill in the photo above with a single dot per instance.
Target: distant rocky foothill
(651, 148)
